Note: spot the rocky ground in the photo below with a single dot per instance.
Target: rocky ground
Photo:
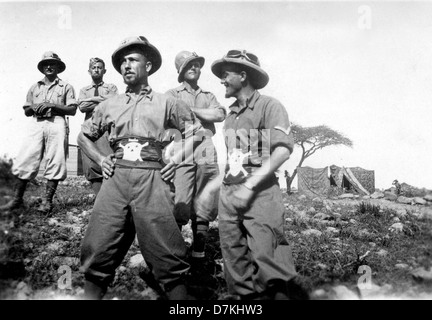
(345, 247)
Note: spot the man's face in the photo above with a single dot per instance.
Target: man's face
(97, 70)
(231, 79)
(135, 67)
(192, 71)
(50, 69)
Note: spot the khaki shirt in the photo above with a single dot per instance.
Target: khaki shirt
(206, 152)
(105, 91)
(59, 92)
(256, 129)
(148, 115)
(201, 99)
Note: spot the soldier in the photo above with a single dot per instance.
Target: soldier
(48, 102)
(89, 97)
(193, 174)
(136, 197)
(257, 258)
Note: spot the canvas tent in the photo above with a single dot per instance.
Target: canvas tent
(313, 181)
(317, 181)
(353, 179)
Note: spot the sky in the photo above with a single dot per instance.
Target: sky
(362, 68)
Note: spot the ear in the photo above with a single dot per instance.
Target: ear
(148, 66)
(103, 71)
(243, 76)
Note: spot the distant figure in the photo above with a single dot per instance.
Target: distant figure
(90, 97)
(288, 181)
(192, 175)
(49, 101)
(398, 187)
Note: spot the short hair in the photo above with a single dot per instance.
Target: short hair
(96, 60)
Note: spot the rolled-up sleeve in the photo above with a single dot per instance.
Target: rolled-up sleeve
(96, 126)
(277, 120)
(182, 118)
(70, 96)
(29, 98)
(214, 103)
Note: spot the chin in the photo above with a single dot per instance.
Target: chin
(129, 82)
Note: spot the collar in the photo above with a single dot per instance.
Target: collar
(250, 102)
(183, 87)
(93, 85)
(146, 91)
(57, 81)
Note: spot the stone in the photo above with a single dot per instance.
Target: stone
(382, 253)
(396, 227)
(426, 214)
(422, 275)
(401, 213)
(52, 222)
(418, 200)
(332, 230)
(319, 293)
(137, 261)
(322, 266)
(404, 200)
(312, 232)
(390, 196)
(311, 210)
(346, 196)
(322, 216)
(377, 195)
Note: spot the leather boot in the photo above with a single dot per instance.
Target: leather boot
(200, 231)
(17, 201)
(93, 291)
(47, 205)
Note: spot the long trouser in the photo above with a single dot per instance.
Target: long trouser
(255, 251)
(133, 201)
(189, 181)
(45, 138)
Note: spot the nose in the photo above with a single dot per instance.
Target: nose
(126, 64)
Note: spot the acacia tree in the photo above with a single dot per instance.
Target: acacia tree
(312, 139)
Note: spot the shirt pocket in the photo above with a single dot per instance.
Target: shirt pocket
(38, 96)
(57, 96)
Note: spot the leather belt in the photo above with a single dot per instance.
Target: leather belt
(141, 164)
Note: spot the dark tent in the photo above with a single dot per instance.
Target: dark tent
(313, 181)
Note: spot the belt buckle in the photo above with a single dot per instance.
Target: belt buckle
(132, 149)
